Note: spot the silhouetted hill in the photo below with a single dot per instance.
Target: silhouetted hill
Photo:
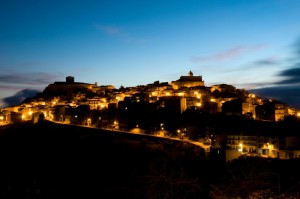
(49, 160)
(59, 161)
(19, 97)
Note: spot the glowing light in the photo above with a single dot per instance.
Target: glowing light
(162, 126)
(241, 147)
(213, 100)
(30, 113)
(1, 117)
(298, 114)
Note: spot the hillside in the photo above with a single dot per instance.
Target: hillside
(49, 160)
(59, 161)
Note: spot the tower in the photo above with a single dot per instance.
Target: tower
(70, 79)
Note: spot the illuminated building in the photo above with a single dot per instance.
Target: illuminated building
(273, 110)
(187, 81)
(70, 87)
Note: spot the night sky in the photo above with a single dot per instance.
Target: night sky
(253, 45)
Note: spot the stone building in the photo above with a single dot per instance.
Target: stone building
(187, 81)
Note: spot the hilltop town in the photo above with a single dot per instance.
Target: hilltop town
(220, 116)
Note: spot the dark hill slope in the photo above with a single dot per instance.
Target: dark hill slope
(50, 160)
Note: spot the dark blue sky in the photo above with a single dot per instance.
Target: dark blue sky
(249, 44)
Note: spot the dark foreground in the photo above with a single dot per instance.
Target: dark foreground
(49, 160)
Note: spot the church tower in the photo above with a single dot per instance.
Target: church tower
(187, 81)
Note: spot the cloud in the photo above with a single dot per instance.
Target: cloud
(254, 85)
(286, 94)
(262, 63)
(287, 89)
(108, 29)
(296, 46)
(35, 78)
(119, 33)
(273, 60)
(13, 82)
(292, 76)
(19, 97)
(229, 53)
(10, 87)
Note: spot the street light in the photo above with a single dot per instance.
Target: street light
(241, 148)
(1, 119)
(116, 124)
(162, 126)
(178, 133)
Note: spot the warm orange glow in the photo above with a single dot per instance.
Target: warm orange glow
(241, 147)
(1, 117)
(269, 146)
(199, 104)
(168, 94)
(298, 114)
(162, 126)
(30, 113)
(213, 100)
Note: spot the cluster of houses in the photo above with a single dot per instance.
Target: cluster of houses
(103, 106)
